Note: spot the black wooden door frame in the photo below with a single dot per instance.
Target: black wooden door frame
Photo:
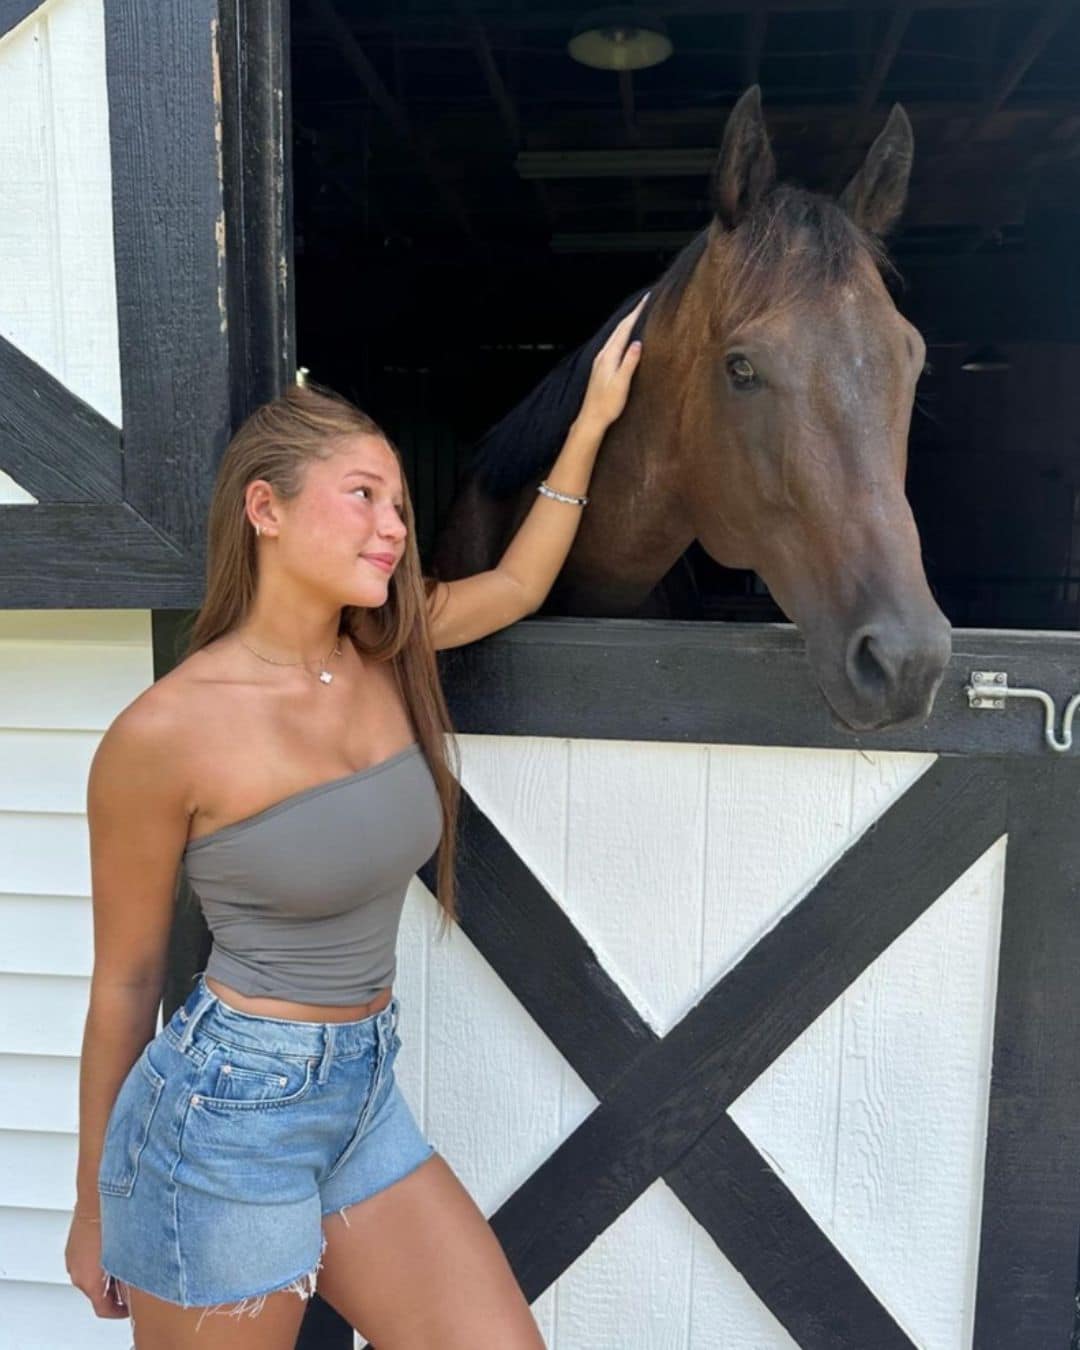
(663, 1101)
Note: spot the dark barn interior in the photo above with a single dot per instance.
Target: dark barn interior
(471, 201)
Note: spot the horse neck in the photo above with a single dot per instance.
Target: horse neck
(638, 521)
(649, 448)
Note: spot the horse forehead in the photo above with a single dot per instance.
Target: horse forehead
(860, 327)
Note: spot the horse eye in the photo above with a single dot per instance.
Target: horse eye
(742, 373)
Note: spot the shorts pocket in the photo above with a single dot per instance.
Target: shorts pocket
(128, 1127)
(242, 1079)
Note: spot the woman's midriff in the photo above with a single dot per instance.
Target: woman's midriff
(297, 1012)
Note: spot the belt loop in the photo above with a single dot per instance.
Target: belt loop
(192, 1020)
(328, 1052)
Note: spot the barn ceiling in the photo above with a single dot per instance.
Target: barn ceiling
(464, 125)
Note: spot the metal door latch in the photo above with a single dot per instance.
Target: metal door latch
(990, 689)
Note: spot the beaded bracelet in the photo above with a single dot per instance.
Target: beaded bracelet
(561, 496)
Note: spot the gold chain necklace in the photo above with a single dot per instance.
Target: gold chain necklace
(324, 674)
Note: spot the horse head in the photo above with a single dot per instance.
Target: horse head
(791, 377)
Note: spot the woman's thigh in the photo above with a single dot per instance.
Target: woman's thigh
(417, 1265)
(160, 1325)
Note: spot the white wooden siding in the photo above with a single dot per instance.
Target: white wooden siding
(64, 675)
(57, 277)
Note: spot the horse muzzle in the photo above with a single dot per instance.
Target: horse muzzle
(884, 673)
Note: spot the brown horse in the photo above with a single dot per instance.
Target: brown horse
(768, 419)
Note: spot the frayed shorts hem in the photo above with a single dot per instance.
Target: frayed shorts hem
(302, 1284)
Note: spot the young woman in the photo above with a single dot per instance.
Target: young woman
(295, 762)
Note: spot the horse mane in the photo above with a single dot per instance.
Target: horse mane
(790, 245)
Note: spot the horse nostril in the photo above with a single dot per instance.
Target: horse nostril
(867, 666)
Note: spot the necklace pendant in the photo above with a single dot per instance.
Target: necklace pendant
(325, 676)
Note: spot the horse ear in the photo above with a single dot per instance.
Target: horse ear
(875, 197)
(745, 168)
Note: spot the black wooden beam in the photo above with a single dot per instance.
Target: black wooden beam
(54, 445)
(508, 112)
(108, 550)
(357, 59)
(257, 172)
(13, 12)
(728, 683)
(796, 1272)
(884, 57)
(535, 17)
(164, 126)
(672, 1093)
(1053, 15)
(1031, 1198)
(496, 86)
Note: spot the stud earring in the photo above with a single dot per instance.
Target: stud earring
(258, 529)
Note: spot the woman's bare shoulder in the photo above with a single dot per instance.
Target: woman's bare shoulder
(160, 722)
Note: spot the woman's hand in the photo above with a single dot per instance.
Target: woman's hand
(612, 370)
(82, 1256)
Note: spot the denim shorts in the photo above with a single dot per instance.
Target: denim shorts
(233, 1136)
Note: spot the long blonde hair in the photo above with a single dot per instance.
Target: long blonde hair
(276, 443)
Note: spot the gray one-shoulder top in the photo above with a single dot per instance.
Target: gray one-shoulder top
(304, 898)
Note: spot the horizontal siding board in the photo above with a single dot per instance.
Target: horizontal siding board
(37, 1170)
(44, 854)
(32, 1247)
(46, 935)
(39, 1092)
(72, 1325)
(42, 1014)
(63, 686)
(45, 770)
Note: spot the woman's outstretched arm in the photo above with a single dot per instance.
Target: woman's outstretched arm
(472, 607)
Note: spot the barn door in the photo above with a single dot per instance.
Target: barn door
(814, 998)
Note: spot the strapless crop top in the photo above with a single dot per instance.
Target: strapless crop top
(304, 898)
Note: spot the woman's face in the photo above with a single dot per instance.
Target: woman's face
(345, 533)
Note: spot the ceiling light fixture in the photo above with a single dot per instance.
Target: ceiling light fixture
(624, 38)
